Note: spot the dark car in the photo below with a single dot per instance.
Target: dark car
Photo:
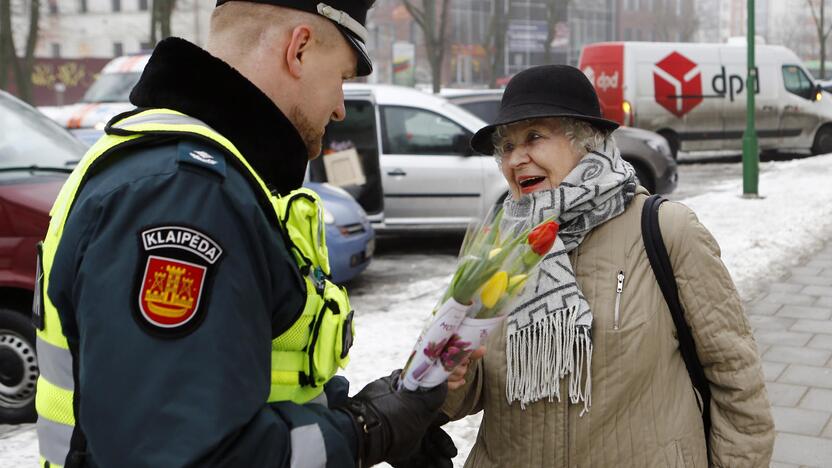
(36, 155)
(648, 152)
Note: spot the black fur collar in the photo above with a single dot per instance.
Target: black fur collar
(186, 78)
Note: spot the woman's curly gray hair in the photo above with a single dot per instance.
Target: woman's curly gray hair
(583, 136)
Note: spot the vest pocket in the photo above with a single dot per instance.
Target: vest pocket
(332, 335)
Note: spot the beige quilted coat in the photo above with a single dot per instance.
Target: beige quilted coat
(644, 411)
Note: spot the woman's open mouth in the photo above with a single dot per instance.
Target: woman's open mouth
(531, 184)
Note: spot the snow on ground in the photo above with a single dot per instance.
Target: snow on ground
(760, 239)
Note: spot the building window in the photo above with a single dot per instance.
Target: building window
(142, 5)
(56, 50)
(53, 7)
(118, 49)
(82, 6)
(116, 5)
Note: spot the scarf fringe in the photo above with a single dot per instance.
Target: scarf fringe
(539, 356)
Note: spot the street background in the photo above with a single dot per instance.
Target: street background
(777, 249)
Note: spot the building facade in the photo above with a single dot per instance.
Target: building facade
(105, 28)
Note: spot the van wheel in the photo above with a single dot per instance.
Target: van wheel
(644, 178)
(18, 368)
(672, 141)
(823, 141)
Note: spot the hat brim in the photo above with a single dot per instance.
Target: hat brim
(365, 63)
(481, 141)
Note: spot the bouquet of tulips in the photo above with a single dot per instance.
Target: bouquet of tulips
(495, 260)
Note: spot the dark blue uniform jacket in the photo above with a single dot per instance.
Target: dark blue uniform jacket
(196, 394)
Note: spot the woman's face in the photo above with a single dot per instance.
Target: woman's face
(536, 156)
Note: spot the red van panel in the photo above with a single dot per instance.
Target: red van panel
(603, 64)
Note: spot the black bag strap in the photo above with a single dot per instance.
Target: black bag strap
(660, 262)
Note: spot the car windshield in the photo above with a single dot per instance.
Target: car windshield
(28, 138)
(112, 87)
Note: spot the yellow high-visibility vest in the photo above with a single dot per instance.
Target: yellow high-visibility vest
(304, 357)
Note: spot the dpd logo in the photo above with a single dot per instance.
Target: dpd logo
(606, 82)
(677, 82)
(603, 81)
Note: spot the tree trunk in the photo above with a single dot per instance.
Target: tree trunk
(154, 13)
(434, 34)
(7, 53)
(497, 39)
(167, 13)
(822, 38)
(20, 67)
(24, 79)
(552, 18)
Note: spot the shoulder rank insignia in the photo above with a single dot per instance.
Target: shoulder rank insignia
(203, 156)
(175, 268)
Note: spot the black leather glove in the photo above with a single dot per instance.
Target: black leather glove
(390, 423)
(435, 451)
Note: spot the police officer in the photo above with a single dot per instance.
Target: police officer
(185, 315)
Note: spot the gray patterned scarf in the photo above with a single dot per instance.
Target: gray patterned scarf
(548, 332)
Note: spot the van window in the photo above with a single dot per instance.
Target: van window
(357, 130)
(407, 130)
(485, 110)
(797, 82)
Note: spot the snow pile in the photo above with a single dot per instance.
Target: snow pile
(762, 238)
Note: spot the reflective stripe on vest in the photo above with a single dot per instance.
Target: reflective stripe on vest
(304, 357)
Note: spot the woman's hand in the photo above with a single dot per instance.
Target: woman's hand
(457, 378)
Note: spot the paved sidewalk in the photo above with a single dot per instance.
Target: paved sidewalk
(793, 327)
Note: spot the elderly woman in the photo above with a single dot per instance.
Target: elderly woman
(587, 371)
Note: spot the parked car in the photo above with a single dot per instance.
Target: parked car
(36, 156)
(421, 174)
(648, 152)
(695, 94)
(109, 95)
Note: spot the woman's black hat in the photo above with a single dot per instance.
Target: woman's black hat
(545, 91)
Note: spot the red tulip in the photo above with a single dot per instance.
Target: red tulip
(543, 236)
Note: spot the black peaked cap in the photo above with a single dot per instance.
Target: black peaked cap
(356, 9)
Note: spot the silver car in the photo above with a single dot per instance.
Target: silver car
(648, 152)
(420, 173)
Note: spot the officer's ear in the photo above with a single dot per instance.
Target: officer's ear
(299, 44)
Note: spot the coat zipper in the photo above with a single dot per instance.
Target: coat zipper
(618, 288)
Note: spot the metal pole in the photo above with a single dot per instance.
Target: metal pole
(750, 153)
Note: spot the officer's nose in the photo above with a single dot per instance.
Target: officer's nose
(340, 112)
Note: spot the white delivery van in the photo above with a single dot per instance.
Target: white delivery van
(695, 94)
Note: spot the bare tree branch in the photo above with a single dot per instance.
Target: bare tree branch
(434, 29)
(814, 14)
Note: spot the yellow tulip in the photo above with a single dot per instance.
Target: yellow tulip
(494, 253)
(493, 289)
(516, 282)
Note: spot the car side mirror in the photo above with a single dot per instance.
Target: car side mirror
(461, 146)
(817, 93)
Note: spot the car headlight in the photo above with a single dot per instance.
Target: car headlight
(329, 218)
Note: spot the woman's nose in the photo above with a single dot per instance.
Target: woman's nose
(518, 157)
